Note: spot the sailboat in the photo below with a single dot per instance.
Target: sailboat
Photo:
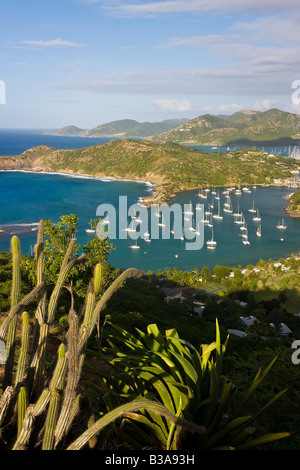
(238, 213)
(90, 230)
(246, 241)
(238, 191)
(239, 218)
(252, 208)
(211, 244)
(202, 195)
(192, 228)
(189, 211)
(243, 225)
(282, 225)
(136, 246)
(218, 216)
(228, 206)
(245, 236)
(131, 227)
(257, 218)
(157, 213)
(258, 231)
(161, 224)
(206, 219)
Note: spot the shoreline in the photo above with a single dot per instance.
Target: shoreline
(157, 189)
(83, 176)
(292, 214)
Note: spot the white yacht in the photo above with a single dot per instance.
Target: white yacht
(252, 209)
(218, 216)
(211, 244)
(135, 247)
(257, 218)
(91, 229)
(258, 231)
(281, 225)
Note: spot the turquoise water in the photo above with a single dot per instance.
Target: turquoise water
(27, 197)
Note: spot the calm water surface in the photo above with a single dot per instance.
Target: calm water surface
(27, 197)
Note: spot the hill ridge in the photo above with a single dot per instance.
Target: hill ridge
(123, 128)
(273, 126)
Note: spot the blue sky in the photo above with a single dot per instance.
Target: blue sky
(88, 62)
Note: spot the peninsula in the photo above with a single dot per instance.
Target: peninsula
(170, 167)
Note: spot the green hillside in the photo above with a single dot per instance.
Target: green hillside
(122, 128)
(293, 208)
(244, 127)
(170, 166)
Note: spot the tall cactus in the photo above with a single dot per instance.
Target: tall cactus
(53, 397)
(23, 350)
(15, 296)
(22, 406)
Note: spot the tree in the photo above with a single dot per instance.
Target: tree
(206, 274)
(221, 272)
(57, 240)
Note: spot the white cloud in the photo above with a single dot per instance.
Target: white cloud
(283, 28)
(163, 7)
(173, 105)
(210, 40)
(51, 43)
(258, 79)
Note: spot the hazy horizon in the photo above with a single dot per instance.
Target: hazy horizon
(88, 62)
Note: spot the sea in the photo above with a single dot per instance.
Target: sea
(26, 197)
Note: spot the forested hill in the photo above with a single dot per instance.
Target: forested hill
(170, 166)
(123, 128)
(247, 127)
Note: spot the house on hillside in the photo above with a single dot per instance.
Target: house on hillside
(199, 307)
(248, 321)
(172, 294)
(239, 333)
(284, 329)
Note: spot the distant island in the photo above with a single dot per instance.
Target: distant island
(247, 127)
(124, 128)
(171, 167)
